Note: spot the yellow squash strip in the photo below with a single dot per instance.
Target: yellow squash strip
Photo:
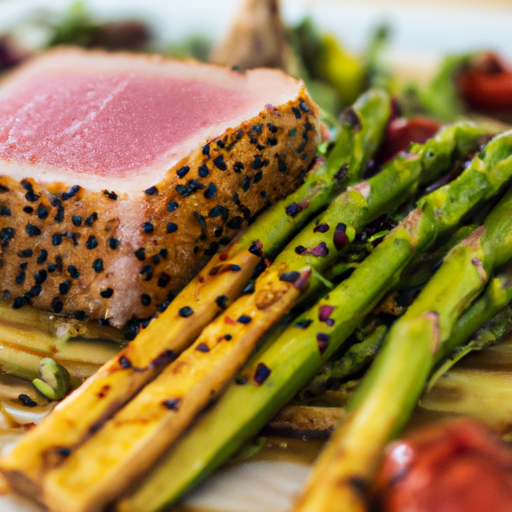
(81, 413)
(129, 444)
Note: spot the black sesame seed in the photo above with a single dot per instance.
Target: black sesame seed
(296, 113)
(107, 293)
(246, 184)
(236, 198)
(145, 299)
(272, 141)
(303, 106)
(203, 171)
(235, 222)
(76, 220)
(51, 268)
(26, 253)
(26, 400)
(57, 239)
(57, 305)
(155, 259)
(202, 225)
(113, 243)
(72, 192)
(24, 265)
(244, 319)
(282, 167)
(19, 302)
(98, 265)
(58, 262)
(221, 144)
(189, 188)
(147, 227)
(216, 211)
(33, 292)
(7, 234)
(32, 196)
(81, 315)
(203, 347)
(258, 177)
(264, 194)
(125, 362)
(172, 227)
(28, 209)
(111, 195)
(211, 249)
(140, 254)
(228, 337)
(206, 150)
(210, 191)
(72, 236)
(235, 268)
(91, 243)
(40, 276)
(146, 272)
(59, 216)
(258, 163)
(183, 171)
(221, 301)
(219, 163)
(31, 230)
(258, 128)
(26, 185)
(163, 280)
(172, 405)
(261, 374)
(73, 271)
(238, 167)
(89, 221)
(5, 212)
(299, 249)
(173, 205)
(289, 277)
(164, 252)
(42, 256)
(225, 240)
(151, 191)
(20, 278)
(64, 287)
(185, 311)
(218, 231)
(3, 189)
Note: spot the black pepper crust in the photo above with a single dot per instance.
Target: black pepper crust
(76, 235)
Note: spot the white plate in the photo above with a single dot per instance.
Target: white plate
(422, 31)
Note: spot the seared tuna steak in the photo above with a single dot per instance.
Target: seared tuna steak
(121, 174)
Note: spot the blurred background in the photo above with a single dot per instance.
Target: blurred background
(419, 27)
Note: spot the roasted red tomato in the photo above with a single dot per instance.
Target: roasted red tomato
(401, 132)
(487, 83)
(460, 466)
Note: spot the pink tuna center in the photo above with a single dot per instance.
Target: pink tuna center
(108, 124)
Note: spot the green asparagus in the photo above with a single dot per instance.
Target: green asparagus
(392, 386)
(292, 360)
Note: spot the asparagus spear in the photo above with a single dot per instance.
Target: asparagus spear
(489, 309)
(392, 386)
(280, 369)
(219, 283)
(103, 465)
